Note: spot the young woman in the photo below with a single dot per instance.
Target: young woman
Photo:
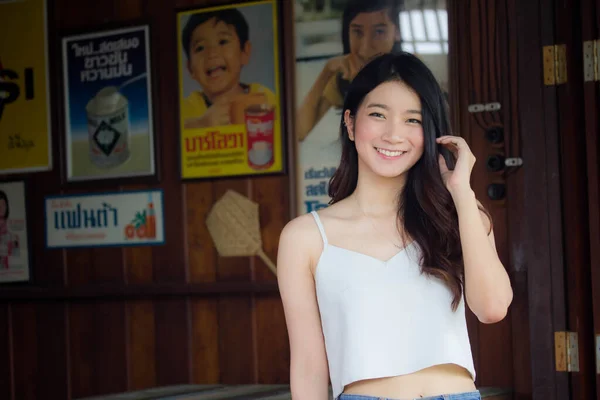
(374, 286)
(369, 28)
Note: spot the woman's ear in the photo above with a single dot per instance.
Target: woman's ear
(349, 122)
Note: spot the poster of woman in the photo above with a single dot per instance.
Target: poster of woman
(334, 39)
(14, 247)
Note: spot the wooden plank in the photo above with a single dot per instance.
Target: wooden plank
(273, 350)
(590, 30)
(200, 248)
(519, 311)
(572, 150)
(81, 349)
(521, 349)
(172, 341)
(554, 200)
(539, 239)
(51, 335)
(205, 341)
(110, 364)
(236, 352)
(78, 266)
(70, 15)
(125, 10)
(138, 265)
(107, 265)
(6, 384)
(141, 360)
(140, 322)
(25, 352)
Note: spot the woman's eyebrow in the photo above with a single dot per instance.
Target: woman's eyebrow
(378, 105)
(385, 107)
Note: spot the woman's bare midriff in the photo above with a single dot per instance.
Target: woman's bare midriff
(432, 381)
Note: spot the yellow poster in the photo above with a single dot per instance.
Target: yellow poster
(229, 91)
(24, 94)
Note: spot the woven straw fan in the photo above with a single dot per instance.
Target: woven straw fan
(234, 226)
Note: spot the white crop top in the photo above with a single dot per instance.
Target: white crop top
(383, 319)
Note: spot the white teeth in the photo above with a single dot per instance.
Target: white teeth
(391, 153)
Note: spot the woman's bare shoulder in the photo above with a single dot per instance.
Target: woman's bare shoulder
(300, 243)
(339, 211)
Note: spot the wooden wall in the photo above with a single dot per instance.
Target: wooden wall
(109, 320)
(114, 319)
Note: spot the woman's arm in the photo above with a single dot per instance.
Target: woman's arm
(309, 373)
(487, 285)
(314, 106)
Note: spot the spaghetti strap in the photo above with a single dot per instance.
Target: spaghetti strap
(320, 225)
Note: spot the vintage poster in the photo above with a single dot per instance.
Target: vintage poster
(229, 91)
(25, 129)
(334, 39)
(14, 244)
(108, 104)
(131, 218)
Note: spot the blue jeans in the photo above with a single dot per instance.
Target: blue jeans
(455, 396)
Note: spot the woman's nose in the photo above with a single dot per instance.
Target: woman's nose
(394, 135)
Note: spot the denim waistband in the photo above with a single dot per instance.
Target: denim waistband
(453, 396)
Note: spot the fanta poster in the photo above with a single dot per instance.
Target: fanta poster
(105, 219)
(229, 90)
(108, 104)
(25, 137)
(14, 243)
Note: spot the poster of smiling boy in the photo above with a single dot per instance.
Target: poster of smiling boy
(229, 91)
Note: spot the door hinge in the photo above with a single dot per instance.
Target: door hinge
(566, 350)
(555, 64)
(591, 60)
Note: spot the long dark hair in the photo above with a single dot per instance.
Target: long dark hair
(424, 205)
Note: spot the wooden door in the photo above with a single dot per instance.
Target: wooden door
(590, 35)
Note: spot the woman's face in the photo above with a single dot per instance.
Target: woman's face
(370, 34)
(387, 130)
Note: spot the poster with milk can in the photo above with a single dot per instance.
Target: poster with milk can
(108, 104)
(229, 90)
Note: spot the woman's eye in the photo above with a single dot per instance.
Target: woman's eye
(357, 32)
(377, 115)
(414, 121)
